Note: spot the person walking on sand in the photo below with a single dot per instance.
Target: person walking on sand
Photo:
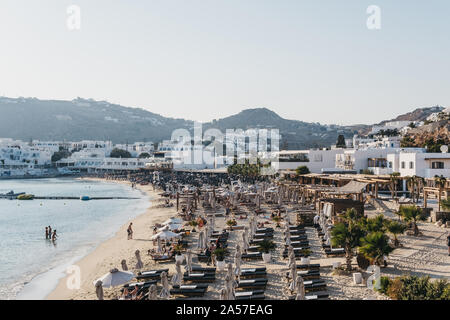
(130, 231)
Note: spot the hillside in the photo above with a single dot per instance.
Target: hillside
(86, 119)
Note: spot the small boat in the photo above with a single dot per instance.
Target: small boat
(10, 195)
(25, 197)
(85, 198)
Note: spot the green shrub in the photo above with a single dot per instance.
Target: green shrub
(385, 283)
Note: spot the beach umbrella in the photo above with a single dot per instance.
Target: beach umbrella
(237, 262)
(188, 266)
(165, 292)
(244, 239)
(230, 285)
(205, 238)
(165, 235)
(300, 289)
(124, 265)
(159, 245)
(230, 270)
(293, 274)
(201, 242)
(115, 278)
(152, 293)
(139, 264)
(99, 290)
(172, 226)
(178, 276)
(172, 221)
(223, 294)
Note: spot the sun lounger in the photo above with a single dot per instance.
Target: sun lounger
(139, 284)
(302, 237)
(189, 290)
(308, 266)
(296, 232)
(151, 274)
(309, 274)
(203, 270)
(297, 244)
(317, 296)
(259, 283)
(203, 257)
(251, 255)
(335, 252)
(315, 285)
(263, 236)
(264, 230)
(298, 227)
(199, 277)
(257, 272)
(250, 295)
(164, 258)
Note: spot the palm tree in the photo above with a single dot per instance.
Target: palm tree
(376, 224)
(395, 228)
(347, 235)
(393, 183)
(440, 183)
(266, 246)
(411, 183)
(446, 204)
(413, 214)
(375, 246)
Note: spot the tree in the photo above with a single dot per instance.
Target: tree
(341, 142)
(144, 155)
(301, 170)
(412, 214)
(120, 153)
(61, 154)
(446, 204)
(375, 246)
(440, 181)
(396, 228)
(347, 234)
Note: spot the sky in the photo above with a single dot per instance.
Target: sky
(314, 61)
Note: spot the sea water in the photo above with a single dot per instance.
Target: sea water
(30, 265)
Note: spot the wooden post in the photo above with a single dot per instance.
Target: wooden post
(178, 200)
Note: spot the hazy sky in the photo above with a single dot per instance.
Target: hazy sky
(206, 59)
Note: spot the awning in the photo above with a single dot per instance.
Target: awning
(353, 187)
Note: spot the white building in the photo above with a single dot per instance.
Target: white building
(315, 160)
(426, 165)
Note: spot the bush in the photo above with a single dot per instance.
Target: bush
(385, 283)
(119, 153)
(416, 288)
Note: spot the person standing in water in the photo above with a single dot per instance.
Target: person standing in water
(130, 231)
(54, 236)
(46, 232)
(49, 232)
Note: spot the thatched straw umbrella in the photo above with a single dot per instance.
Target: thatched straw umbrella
(124, 265)
(152, 293)
(165, 292)
(99, 289)
(139, 263)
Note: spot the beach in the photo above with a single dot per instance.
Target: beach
(111, 252)
(415, 257)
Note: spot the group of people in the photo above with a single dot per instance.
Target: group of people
(49, 234)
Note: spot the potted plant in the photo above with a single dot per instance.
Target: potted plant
(179, 257)
(265, 247)
(231, 224)
(219, 255)
(193, 224)
(277, 220)
(305, 259)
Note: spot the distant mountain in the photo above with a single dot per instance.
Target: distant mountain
(82, 119)
(420, 114)
(86, 119)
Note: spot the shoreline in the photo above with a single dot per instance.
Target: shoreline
(109, 253)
